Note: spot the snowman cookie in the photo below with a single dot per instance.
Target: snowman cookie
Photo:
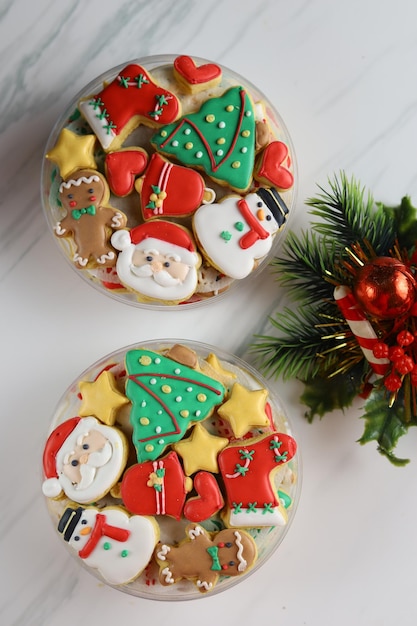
(176, 140)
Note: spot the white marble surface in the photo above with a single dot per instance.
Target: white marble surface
(342, 75)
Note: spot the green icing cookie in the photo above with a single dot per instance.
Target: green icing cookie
(166, 398)
(219, 138)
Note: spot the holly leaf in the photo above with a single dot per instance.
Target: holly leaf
(323, 395)
(385, 425)
(405, 217)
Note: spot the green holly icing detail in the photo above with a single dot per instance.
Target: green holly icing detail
(241, 469)
(226, 235)
(141, 80)
(237, 507)
(124, 81)
(251, 507)
(268, 508)
(239, 226)
(109, 127)
(163, 385)
(246, 454)
(236, 126)
(275, 445)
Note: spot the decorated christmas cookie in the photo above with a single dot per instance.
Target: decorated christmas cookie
(176, 139)
(202, 557)
(89, 221)
(119, 546)
(166, 438)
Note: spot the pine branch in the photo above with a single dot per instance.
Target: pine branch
(309, 261)
(347, 215)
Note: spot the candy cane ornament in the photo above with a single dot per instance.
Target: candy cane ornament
(360, 327)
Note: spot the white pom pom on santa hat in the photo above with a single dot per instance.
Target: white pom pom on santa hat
(51, 486)
(164, 236)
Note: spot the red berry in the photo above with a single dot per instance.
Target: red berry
(380, 350)
(404, 364)
(392, 382)
(395, 352)
(405, 338)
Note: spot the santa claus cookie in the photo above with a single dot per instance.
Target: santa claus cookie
(177, 139)
(158, 261)
(158, 438)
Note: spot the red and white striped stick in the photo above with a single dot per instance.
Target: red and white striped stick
(360, 327)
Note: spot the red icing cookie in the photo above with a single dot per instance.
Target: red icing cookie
(208, 501)
(248, 468)
(130, 99)
(122, 167)
(195, 78)
(155, 487)
(271, 168)
(171, 190)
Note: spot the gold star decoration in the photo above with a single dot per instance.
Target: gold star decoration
(200, 450)
(213, 367)
(73, 152)
(101, 398)
(245, 409)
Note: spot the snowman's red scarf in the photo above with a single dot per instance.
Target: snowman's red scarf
(102, 529)
(256, 229)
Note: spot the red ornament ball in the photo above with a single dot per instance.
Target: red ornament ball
(385, 288)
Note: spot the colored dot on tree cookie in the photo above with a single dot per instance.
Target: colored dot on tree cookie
(200, 450)
(245, 409)
(72, 152)
(101, 398)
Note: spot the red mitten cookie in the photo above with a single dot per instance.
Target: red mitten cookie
(122, 167)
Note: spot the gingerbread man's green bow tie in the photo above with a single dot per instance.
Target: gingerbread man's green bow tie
(214, 553)
(77, 213)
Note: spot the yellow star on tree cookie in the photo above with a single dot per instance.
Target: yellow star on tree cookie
(245, 409)
(73, 152)
(200, 450)
(101, 398)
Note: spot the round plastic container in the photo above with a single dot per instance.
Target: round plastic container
(192, 454)
(227, 141)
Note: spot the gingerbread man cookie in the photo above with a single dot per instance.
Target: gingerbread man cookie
(203, 558)
(89, 221)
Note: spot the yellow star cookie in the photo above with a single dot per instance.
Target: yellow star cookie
(245, 409)
(72, 152)
(101, 398)
(200, 450)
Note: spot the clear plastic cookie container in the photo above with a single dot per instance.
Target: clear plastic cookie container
(170, 471)
(169, 181)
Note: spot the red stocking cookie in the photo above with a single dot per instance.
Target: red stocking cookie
(130, 99)
(202, 557)
(89, 221)
(248, 469)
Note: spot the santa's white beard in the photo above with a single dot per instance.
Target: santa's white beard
(96, 459)
(162, 277)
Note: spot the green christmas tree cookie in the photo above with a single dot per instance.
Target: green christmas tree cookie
(166, 398)
(219, 139)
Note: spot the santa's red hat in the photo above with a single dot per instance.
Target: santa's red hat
(165, 236)
(51, 486)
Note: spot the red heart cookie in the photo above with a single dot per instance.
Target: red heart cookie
(270, 169)
(186, 70)
(122, 166)
(208, 501)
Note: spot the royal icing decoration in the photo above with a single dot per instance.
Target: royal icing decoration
(171, 190)
(110, 541)
(202, 557)
(89, 221)
(73, 152)
(236, 232)
(101, 398)
(219, 138)
(207, 502)
(195, 78)
(273, 166)
(166, 398)
(158, 260)
(83, 459)
(200, 450)
(247, 468)
(245, 409)
(122, 167)
(130, 99)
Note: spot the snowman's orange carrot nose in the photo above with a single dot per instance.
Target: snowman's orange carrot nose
(260, 214)
(86, 530)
